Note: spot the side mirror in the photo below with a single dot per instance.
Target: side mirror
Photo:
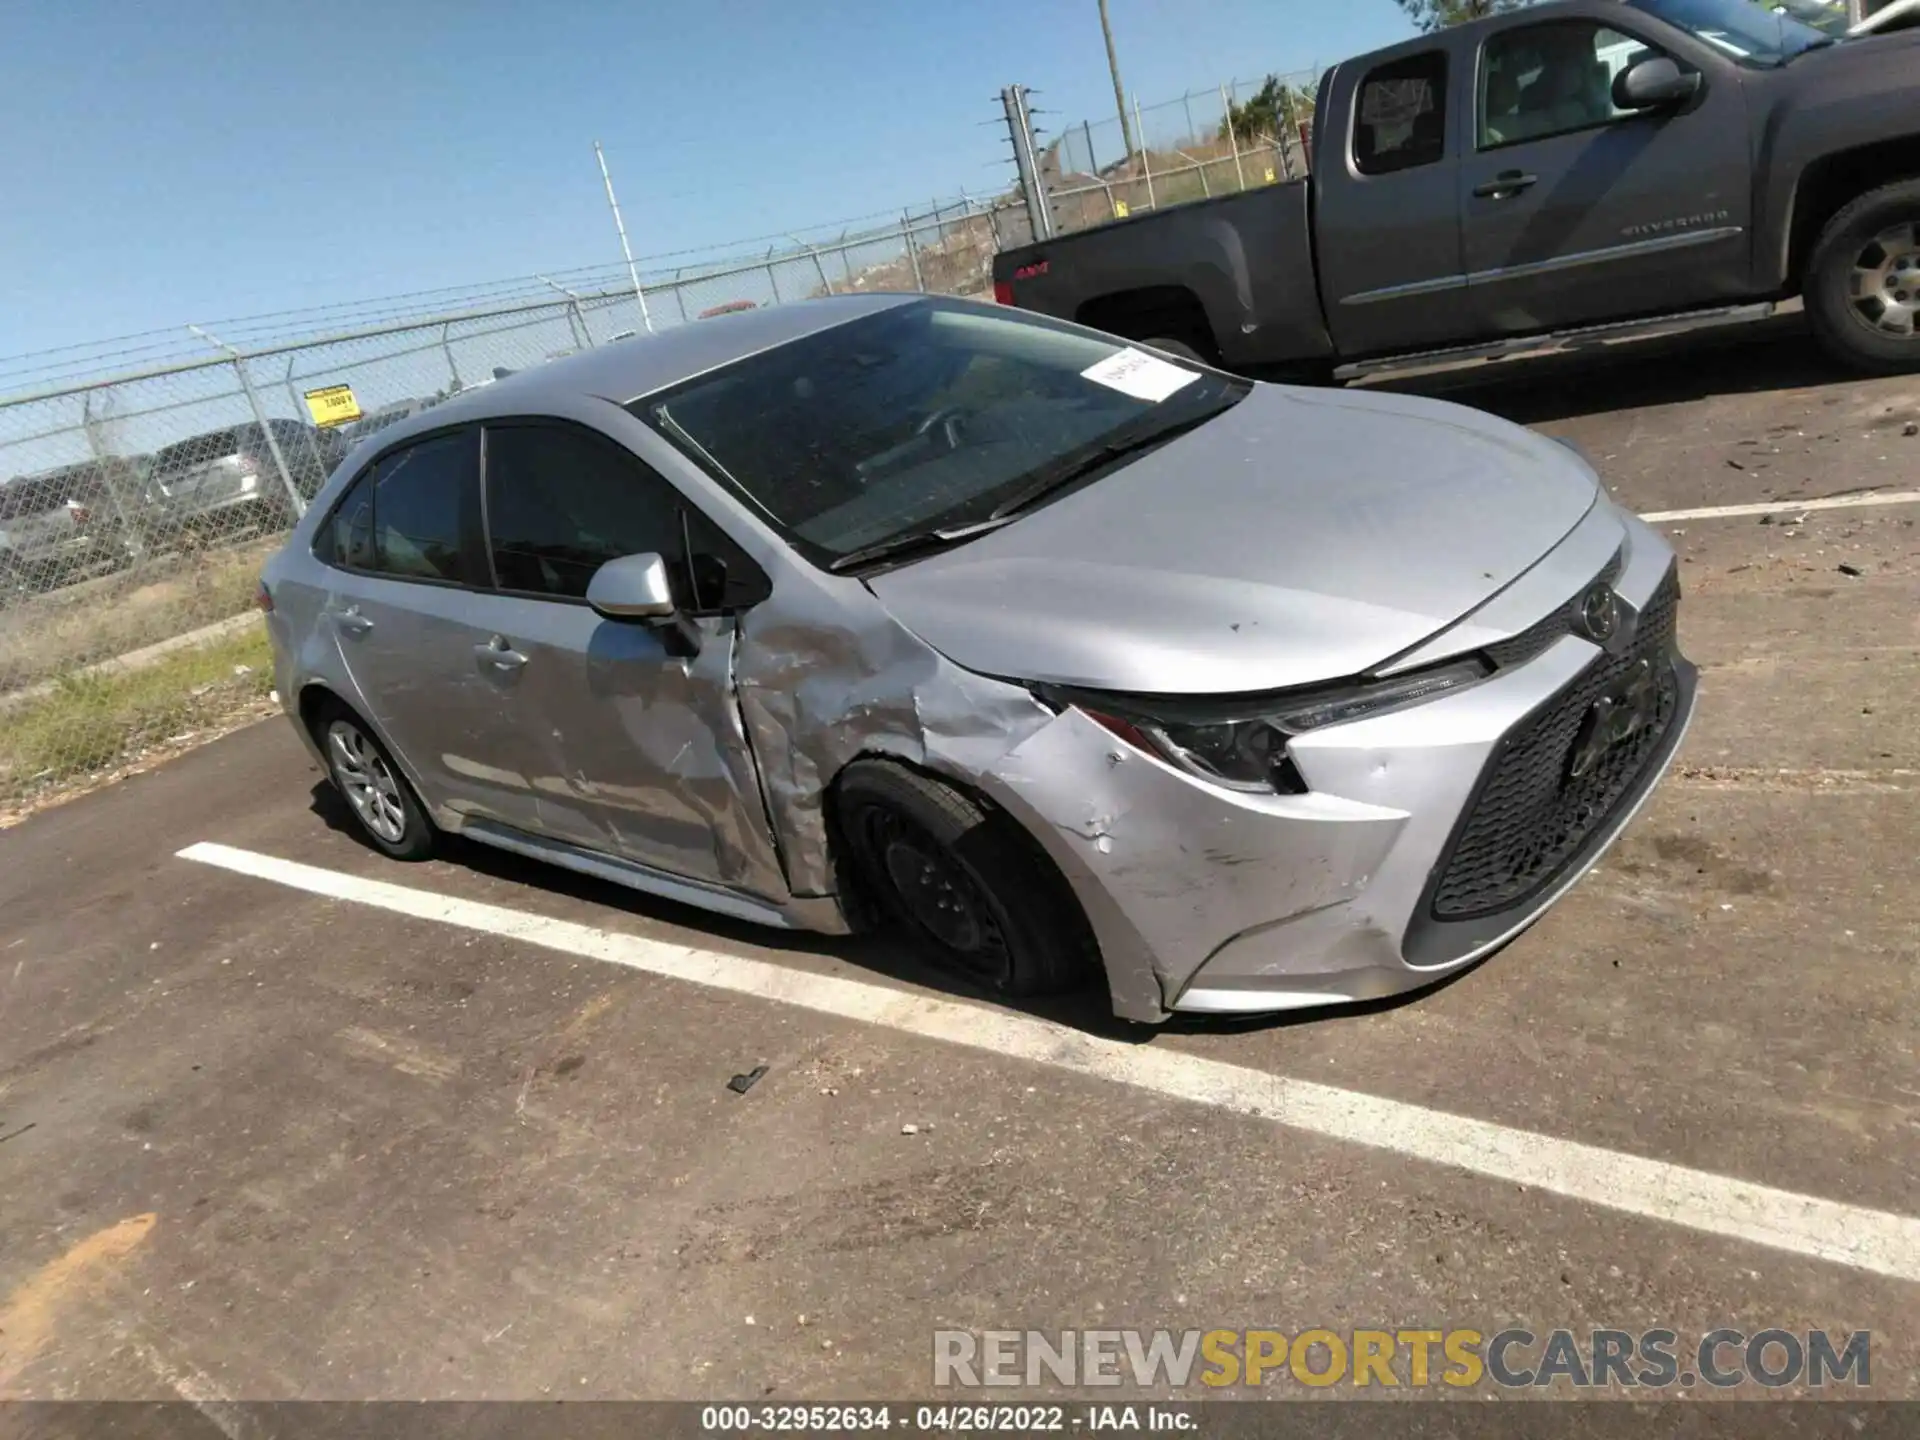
(634, 587)
(1652, 84)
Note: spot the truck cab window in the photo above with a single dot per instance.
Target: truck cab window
(1553, 79)
(1401, 120)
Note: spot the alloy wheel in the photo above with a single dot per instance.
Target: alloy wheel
(365, 779)
(1885, 285)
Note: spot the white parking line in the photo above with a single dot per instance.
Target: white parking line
(1871, 1240)
(1786, 507)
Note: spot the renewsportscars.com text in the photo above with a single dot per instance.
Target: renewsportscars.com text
(1511, 1359)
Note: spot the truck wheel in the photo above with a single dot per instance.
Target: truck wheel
(983, 899)
(1862, 286)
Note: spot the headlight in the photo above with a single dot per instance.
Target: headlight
(1242, 744)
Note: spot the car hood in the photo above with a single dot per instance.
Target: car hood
(1302, 536)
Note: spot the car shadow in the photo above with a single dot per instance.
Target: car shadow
(1776, 354)
(887, 953)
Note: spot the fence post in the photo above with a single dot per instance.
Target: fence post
(1146, 169)
(453, 367)
(1233, 141)
(1033, 187)
(110, 476)
(1286, 138)
(1093, 161)
(273, 441)
(680, 296)
(1186, 104)
(846, 264)
(259, 414)
(913, 253)
(773, 277)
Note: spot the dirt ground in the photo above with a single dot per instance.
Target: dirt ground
(256, 1142)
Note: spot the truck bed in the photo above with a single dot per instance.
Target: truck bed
(1231, 258)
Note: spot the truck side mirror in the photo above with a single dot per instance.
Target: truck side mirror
(1653, 84)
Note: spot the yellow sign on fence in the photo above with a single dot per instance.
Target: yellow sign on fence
(1269, 175)
(333, 405)
(1120, 211)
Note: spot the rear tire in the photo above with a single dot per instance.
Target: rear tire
(381, 801)
(1862, 283)
(982, 898)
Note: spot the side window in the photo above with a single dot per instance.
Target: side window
(1402, 119)
(722, 574)
(348, 536)
(407, 516)
(1542, 80)
(420, 495)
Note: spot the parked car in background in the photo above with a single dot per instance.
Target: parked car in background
(1070, 658)
(62, 525)
(1583, 169)
(226, 482)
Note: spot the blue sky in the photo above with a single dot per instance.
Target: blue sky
(210, 158)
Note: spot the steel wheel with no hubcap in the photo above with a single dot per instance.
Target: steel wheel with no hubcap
(937, 893)
(1885, 287)
(362, 774)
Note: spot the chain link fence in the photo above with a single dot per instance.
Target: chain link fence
(136, 508)
(1208, 142)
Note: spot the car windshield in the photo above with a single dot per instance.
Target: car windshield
(1744, 30)
(926, 416)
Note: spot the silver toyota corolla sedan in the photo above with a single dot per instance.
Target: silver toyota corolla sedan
(1064, 655)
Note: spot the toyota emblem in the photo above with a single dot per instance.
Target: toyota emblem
(1599, 614)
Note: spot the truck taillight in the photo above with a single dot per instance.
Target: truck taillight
(1003, 292)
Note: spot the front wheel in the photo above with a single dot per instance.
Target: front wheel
(983, 899)
(383, 803)
(1862, 287)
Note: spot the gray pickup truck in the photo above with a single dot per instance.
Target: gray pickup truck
(1584, 168)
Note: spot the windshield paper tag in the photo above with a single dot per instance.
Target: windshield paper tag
(1136, 373)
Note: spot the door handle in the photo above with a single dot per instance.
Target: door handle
(1506, 183)
(499, 654)
(351, 621)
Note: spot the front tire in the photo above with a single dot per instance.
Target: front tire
(382, 803)
(1862, 285)
(982, 898)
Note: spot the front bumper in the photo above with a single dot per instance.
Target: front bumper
(1211, 901)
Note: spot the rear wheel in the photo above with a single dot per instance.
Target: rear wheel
(982, 898)
(383, 804)
(1862, 287)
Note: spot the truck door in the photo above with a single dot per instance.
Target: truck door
(1387, 214)
(1577, 211)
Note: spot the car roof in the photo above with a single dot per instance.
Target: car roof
(624, 370)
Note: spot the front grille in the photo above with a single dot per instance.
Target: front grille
(1531, 815)
(1539, 637)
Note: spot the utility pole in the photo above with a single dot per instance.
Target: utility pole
(633, 272)
(1119, 91)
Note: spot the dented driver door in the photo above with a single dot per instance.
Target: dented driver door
(637, 744)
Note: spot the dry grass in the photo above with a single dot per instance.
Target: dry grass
(88, 724)
(44, 637)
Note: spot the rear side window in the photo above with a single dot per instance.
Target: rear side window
(407, 516)
(1402, 118)
(561, 502)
